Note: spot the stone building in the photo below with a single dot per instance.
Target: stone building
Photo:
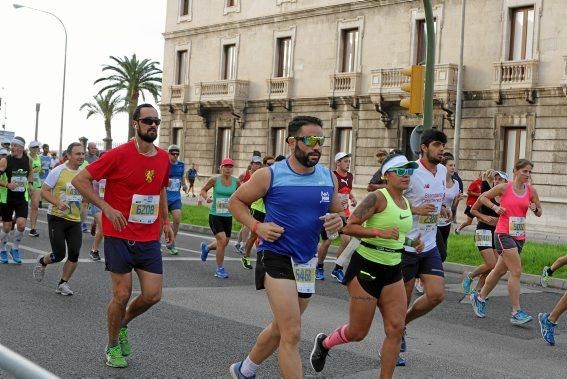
(236, 71)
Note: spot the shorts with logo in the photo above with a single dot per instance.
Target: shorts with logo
(258, 216)
(121, 256)
(481, 248)
(372, 276)
(428, 263)
(278, 266)
(20, 208)
(173, 205)
(504, 241)
(220, 224)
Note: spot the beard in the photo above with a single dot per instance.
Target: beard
(432, 158)
(304, 158)
(147, 137)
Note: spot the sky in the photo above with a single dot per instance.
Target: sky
(31, 64)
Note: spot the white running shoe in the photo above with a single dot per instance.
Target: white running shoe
(64, 289)
(39, 271)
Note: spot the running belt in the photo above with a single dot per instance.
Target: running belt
(381, 248)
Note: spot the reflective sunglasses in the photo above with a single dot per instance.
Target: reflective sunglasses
(401, 171)
(150, 120)
(311, 141)
(176, 154)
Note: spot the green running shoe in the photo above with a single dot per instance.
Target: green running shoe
(124, 344)
(114, 357)
(246, 263)
(172, 250)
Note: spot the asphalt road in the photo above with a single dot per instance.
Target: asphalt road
(203, 324)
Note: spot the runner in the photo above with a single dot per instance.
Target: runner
(548, 321)
(516, 198)
(547, 272)
(484, 236)
(63, 219)
(426, 193)
(299, 194)
(374, 275)
(258, 211)
(176, 184)
(452, 197)
(376, 182)
(35, 190)
(473, 192)
(19, 176)
(243, 235)
(191, 176)
(345, 180)
(220, 219)
(134, 210)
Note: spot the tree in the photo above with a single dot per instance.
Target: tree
(106, 106)
(135, 77)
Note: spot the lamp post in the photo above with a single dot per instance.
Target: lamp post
(18, 6)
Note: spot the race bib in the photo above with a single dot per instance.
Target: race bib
(20, 182)
(304, 274)
(72, 195)
(483, 238)
(144, 209)
(174, 185)
(101, 188)
(221, 206)
(517, 227)
(428, 223)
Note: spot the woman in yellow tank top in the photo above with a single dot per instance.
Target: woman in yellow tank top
(374, 275)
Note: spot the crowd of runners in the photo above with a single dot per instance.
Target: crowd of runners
(291, 208)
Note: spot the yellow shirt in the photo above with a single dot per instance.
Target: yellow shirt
(59, 180)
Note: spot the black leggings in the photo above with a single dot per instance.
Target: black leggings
(441, 238)
(63, 231)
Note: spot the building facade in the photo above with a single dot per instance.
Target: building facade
(236, 72)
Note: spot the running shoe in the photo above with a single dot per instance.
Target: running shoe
(235, 371)
(172, 250)
(221, 273)
(545, 277)
(84, 227)
(64, 289)
(479, 307)
(338, 274)
(239, 248)
(403, 346)
(39, 271)
(418, 286)
(320, 273)
(124, 343)
(114, 357)
(520, 317)
(33, 233)
(94, 255)
(400, 362)
(547, 328)
(204, 251)
(319, 353)
(246, 263)
(466, 284)
(15, 254)
(3, 257)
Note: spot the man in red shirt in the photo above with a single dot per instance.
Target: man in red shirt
(134, 210)
(473, 192)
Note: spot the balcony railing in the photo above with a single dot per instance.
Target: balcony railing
(387, 81)
(516, 74)
(222, 90)
(279, 88)
(178, 93)
(345, 84)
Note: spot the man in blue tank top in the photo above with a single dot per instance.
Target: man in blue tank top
(300, 197)
(176, 183)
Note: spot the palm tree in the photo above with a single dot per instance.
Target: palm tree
(107, 107)
(134, 76)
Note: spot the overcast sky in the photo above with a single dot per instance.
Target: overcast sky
(31, 64)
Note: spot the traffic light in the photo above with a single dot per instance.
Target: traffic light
(414, 103)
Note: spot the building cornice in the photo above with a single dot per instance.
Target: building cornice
(284, 17)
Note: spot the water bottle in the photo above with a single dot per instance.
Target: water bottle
(331, 236)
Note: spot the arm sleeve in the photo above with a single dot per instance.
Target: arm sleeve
(53, 176)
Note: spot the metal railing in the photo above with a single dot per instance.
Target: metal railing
(20, 367)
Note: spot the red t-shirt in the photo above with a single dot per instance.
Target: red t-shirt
(129, 173)
(475, 186)
(345, 188)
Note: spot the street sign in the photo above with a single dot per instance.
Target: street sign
(415, 139)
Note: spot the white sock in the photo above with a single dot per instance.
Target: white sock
(3, 239)
(18, 237)
(248, 368)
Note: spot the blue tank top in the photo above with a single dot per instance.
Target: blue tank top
(295, 202)
(176, 171)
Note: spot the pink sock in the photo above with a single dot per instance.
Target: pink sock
(338, 337)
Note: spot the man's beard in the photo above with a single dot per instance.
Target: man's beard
(147, 137)
(432, 159)
(303, 158)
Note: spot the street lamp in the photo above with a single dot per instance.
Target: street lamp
(18, 6)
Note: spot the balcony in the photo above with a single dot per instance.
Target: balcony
(222, 91)
(279, 88)
(386, 82)
(515, 74)
(344, 84)
(178, 93)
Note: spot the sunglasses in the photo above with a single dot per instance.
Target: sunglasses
(269, 164)
(401, 171)
(311, 141)
(176, 154)
(150, 120)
